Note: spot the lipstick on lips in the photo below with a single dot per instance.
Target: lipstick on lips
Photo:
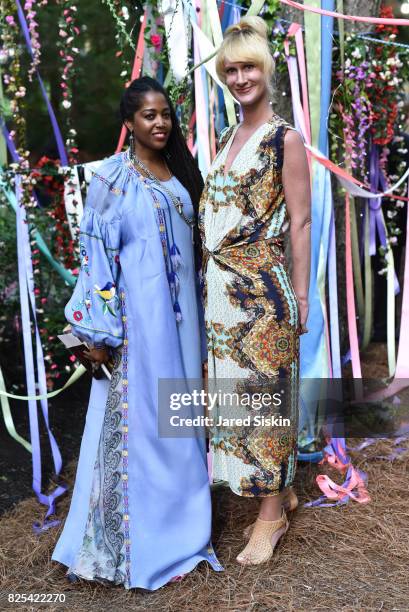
(159, 135)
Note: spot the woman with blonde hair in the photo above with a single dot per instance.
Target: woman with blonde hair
(258, 189)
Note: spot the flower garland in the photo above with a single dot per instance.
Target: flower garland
(68, 31)
(34, 35)
(352, 101)
(366, 111)
(12, 80)
(121, 15)
(386, 65)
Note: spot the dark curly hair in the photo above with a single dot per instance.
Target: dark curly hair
(176, 153)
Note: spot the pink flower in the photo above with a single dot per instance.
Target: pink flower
(156, 40)
(10, 20)
(78, 315)
(72, 358)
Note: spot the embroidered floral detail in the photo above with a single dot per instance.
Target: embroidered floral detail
(78, 315)
(108, 297)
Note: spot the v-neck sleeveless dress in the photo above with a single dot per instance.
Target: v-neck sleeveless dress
(251, 310)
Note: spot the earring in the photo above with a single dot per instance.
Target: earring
(131, 144)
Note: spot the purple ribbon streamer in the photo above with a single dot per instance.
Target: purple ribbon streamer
(10, 143)
(58, 138)
(375, 203)
(26, 284)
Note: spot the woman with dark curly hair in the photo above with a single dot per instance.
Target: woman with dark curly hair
(140, 513)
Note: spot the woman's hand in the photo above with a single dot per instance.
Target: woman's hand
(303, 314)
(97, 356)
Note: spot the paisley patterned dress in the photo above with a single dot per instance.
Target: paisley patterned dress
(251, 309)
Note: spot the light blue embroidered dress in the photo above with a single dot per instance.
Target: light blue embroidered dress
(140, 512)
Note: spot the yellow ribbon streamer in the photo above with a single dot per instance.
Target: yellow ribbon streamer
(72, 379)
(8, 418)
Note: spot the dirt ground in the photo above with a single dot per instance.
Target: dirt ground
(353, 557)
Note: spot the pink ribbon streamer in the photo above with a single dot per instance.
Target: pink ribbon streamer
(295, 30)
(351, 310)
(354, 486)
(377, 20)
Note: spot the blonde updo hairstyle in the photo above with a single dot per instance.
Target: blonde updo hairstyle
(246, 41)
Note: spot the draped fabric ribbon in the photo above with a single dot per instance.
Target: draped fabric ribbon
(329, 13)
(68, 277)
(58, 138)
(323, 242)
(314, 346)
(175, 28)
(216, 29)
(351, 311)
(202, 103)
(400, 381)
(354, 486)
(354, 186)
(72, 379)
(26, 285)
(7, 416)
(377, 222)
(136, 70)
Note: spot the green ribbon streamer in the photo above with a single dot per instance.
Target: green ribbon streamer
(72, 379)
(368, 284)
(68, 277)
(5, 406)
(341, 30)
(8, 418)
(313, 52)
(255, 8)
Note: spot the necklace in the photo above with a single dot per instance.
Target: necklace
(174, 199)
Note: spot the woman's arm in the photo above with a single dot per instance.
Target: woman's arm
(94, 308)
(297, 191)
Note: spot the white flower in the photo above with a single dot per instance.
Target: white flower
(66, 104)
(393, 240)
(356, 53)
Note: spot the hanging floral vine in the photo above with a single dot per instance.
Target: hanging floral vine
(68, 50)
(31, 15)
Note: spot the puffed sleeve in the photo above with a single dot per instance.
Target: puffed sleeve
(94, 309)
